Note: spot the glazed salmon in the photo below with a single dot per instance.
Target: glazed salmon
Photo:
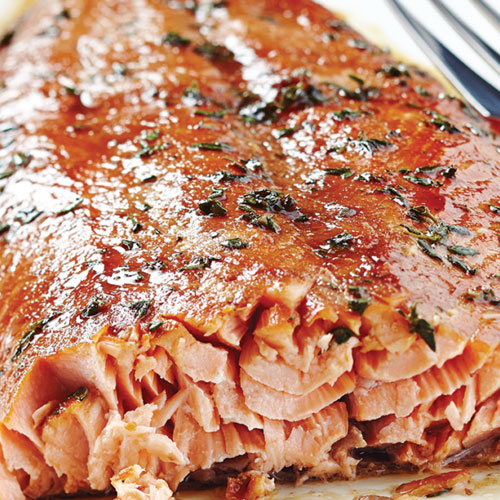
(238, 241)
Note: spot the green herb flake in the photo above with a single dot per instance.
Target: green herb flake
(27, 215)
(34, 329)
(214, 52)
(130, 244)
(341, 334)
(94, 307)
(420, 326)
(4, 228)
(20, 159)
(140, 308)
(495, 209)
(358, 44)
(462, 265)
(212, 146)
(71, 207)
(460, 250)
(212, 207)
(136, 226)
(445, 126)
(269, 200)
(421, 181)
(393, 70)
(218, 113)
(173, 38)
(422, 91)
(342, 240)
(200, 263)
(284, 132)
(345, 114)
(154, 325)
(343, 172)
(235, 244)
(428, 250)
(80, 394)
(262, 221)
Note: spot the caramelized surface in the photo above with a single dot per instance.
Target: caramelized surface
(101, 120)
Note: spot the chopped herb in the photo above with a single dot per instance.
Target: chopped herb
(214, 52)
(356, 79)
(150, 135)
(119, 69)
(341, 334)
(6, 39)
(392, 70)
(361, 300)
(284, 132)
(235, 244)
(495, 209)
(269, 200)
(226, 176)
(95, 306)
(368, 177)
(219, 113)
(34, 329)
(420, 326)
(263, 221)
(368, 146)
(337, 24)
(80, 394)
(212, 146)
(486, 295)
(140, 308)
(423, 92)
(300, 94)
(446, 170)
(427, 249)
(20, 159)
(445, 126)
(6, 173)
(342, 240)
(4, 228)
(27, 215)
(212, 207)
(199, 263)
(422, 181)
(462, 265)
(175, 39)
(345, 114)
(71, 207)
(193, 96)
(147, 149)
(420, 214)
(154, 325)
(396, 195)
(259, 112)
(358, 94)
(358, 44)
(460, 250)
(136, 226)
(343, 172)
(130, 244)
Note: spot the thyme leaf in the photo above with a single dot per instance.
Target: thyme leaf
(420, 326)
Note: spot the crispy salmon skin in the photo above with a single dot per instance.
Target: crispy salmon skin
(237, 238)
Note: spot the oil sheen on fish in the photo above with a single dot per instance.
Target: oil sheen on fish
(237, 238)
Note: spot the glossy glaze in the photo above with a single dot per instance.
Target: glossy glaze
(130, 83)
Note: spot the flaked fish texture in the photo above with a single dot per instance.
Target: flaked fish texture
(238, 241)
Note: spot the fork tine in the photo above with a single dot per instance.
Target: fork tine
(478, 92)
(489, 12)
(481, 48)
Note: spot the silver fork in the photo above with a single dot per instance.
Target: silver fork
(481, 94)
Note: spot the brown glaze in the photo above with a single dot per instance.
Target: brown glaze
(130, 83)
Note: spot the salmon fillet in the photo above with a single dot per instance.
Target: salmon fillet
(237, 238)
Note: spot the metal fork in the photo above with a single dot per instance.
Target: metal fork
(476, 90)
